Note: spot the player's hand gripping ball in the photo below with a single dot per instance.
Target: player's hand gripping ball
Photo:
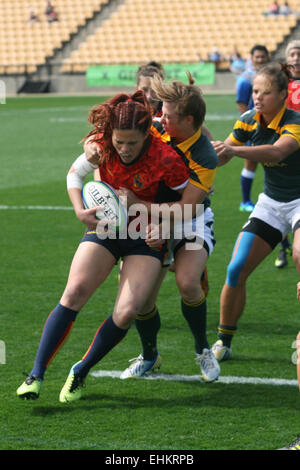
(97, 193)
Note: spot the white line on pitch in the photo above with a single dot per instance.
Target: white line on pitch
(40, 208)
(197, 378)
(208, 117)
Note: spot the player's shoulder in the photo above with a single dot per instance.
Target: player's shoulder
(203, 153)
(291, 116)
(161, 150)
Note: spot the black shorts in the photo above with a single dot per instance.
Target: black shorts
(126, 247)
(265, 231)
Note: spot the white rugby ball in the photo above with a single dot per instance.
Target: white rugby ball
(98, 193)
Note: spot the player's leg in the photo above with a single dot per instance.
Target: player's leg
(148, 324)
(296, 246)
(249, 252)
(189, 266)
(247, 178)
(133, 290)
(296, 259)
(295, 445)
(90, 266)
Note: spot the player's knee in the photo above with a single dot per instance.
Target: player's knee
(298, 341)
(75, 294)
(190, 289)
(234, 272)
(126, 314)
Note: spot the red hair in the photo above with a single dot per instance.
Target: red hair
(120, 112)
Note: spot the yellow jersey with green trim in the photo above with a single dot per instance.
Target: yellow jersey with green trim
(281, 179)
(199, 156)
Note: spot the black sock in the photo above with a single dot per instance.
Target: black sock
(148, 326)
(195, 315)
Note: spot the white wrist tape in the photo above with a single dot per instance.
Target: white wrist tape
(82, 168)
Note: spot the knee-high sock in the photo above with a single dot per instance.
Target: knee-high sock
(148, 326)
(106, 338)
(56, 330)
(195, 315)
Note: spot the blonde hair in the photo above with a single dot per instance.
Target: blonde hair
(187, 98)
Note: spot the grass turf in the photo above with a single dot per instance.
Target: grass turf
(41, 140)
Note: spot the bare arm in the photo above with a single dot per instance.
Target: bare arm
(260, 153)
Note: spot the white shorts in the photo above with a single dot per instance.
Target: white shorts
(198, 233)
(281, 215)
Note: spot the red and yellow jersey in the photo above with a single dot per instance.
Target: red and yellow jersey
(158, 165)
(293, 99)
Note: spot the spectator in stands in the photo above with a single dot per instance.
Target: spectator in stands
(285, 9)
(32, 17)
(274, 8)
(51, 13)
(237, 64)
(215, 56)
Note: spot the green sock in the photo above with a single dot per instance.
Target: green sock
(195, 315)
(226, 333)
(148, 327)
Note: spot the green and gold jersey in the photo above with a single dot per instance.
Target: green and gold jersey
(282, 179)
(198, 154)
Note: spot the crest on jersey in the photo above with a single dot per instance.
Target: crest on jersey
(138, 182)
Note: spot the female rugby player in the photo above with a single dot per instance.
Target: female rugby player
(274, 132)
(181, 125)
(131, 158)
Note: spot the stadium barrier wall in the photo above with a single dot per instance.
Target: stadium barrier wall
(69, 84)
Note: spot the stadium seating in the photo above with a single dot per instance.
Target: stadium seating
(138, 31)
(181, 31)
(25, 46)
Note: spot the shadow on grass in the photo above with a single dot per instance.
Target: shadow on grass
(227, 396)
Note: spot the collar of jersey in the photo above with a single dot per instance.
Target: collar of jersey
(275, 121)
(186, 144)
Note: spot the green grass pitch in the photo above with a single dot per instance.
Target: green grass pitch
(40, 139)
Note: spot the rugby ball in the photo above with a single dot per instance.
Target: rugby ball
(97, 193)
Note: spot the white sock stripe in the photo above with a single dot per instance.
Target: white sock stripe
(248, 174)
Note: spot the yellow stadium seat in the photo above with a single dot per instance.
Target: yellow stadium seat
(170, 30)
